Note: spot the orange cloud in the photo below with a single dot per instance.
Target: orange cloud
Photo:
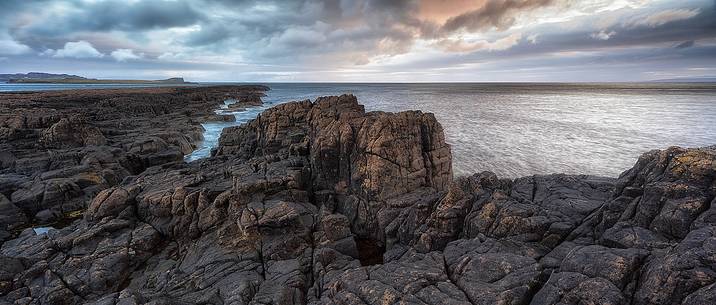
(439, 11)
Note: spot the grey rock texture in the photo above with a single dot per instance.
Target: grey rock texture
(58, 149)
(324, 203)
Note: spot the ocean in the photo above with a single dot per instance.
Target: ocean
(524, 129)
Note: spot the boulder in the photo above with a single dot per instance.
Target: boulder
(72, 132)
(11, 217)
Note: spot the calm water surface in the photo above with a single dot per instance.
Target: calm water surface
(523, 129)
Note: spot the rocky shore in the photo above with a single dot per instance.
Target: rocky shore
(323, 203)
(59, 149)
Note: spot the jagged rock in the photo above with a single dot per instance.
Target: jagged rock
(412, 278)
(72, 133)
(73, 144)
(685, 273)
(11, 182)
(542, 209)
(110, 202)
(611, 274)
(323, 203)
(41, 195)
(7, 159)
(491, 273)
(365, 159)
(11, 217)
(273, 130)
(658, 201)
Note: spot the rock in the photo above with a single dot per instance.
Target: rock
(274, 129)
(47, 216)
(611, 272)
(41, 195)
(364, 158)
(324, 203)
(11, 217)
(9, 267)
(403, 151)
(7, 159)
(11, 182)
(414, 278)
(489, 275)
(685, 273)
(542, 209)
(110, 202)
(657, 202)
(73, 133)
(60, 148)
(219, 118)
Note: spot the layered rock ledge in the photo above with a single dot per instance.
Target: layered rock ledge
(58, 149)
(324, 203)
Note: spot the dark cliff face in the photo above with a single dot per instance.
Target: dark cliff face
(323, 203)
(358, 162)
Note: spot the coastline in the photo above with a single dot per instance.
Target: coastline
(82, 80)
(110, 134)
(313, 200)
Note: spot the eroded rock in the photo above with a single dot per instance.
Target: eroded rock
(324, 203)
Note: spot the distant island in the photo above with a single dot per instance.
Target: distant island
(37, 75)
(49, 78)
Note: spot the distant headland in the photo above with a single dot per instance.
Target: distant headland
(49, 78)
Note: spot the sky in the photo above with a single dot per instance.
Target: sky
(362, 40)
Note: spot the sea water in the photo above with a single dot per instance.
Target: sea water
(524, 129)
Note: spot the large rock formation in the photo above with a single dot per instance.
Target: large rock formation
(362, 165)
(323, 203)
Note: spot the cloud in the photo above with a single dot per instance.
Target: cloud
(663, 17)
(11, 47)
(497, 45)
(124, 55)
(127, 15)
(77, 49)
(603, 35)
(298, 37)
(498, 14)
(685, 44)
(49, 25)
(301, 37)
(533, 38)
(209, 34)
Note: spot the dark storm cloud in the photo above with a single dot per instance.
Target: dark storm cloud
(553, 39)
(11, 7)
(685, 44)
(290, 28)
(498, 14)
(56, 28)
(123, 16)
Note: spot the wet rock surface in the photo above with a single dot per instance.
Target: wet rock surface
(324, 203)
